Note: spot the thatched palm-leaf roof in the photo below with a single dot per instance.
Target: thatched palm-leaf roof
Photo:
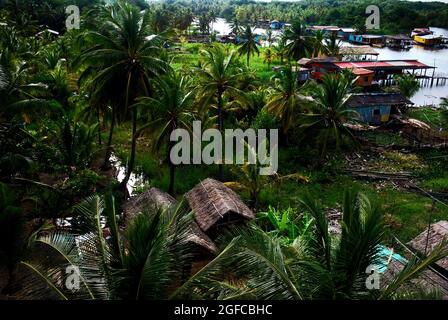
(153, 200)
(211, 201)
(197, 236)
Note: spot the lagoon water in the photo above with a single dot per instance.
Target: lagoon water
(438, 58)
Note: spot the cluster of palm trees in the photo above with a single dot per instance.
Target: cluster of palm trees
(121, 71)
(126, 76)
(152, 258)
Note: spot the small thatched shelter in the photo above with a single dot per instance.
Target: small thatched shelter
(152, 199)
(216, 205)
(426, 241)
(199, 238)
(155, 199)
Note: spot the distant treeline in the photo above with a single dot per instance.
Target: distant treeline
(396, 16)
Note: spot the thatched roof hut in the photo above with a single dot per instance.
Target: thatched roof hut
(152, 199)
(426, 242)
(213, 202)
(155, 199)
(199, 238)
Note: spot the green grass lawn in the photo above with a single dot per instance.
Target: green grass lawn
(188, 58)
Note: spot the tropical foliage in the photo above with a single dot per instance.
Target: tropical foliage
(86, 131)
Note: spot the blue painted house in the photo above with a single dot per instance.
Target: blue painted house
(355, 38)
(276, 25)
(370, 39)
(375, 108)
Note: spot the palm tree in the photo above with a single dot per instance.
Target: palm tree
(18, 96)
(332, 45)
(144, 262)
(125, 57)
(285, 100)
(269, 36)
(235, 27)
(318, 45)
(219, 77)
(248, 45)
(407, 84)
(171, 109)
(325, 126)
(204, 23)
(297, 44)
(280, 50)
(316, 265)
(268, 57)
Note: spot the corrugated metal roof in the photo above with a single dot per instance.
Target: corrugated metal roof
(410, 64)
(377, 99)
(361, 71)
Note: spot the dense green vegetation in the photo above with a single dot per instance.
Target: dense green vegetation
(116, 88)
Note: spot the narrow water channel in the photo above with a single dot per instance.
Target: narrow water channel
(136, 180)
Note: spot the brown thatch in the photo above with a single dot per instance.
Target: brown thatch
(155, 199)
(211, 201)
(198, 237)
(437, 232)
(152, 199)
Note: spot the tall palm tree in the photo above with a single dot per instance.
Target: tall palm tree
(269, 36)
(249, 45)
(218, 78)
(325, 125)
(285, 100)
(268, 55)
(124, 59)
(317, 43)
(171, 109)
(235, 27)
(204, 23)
(332, 45)
(297, 44)
(280, 50)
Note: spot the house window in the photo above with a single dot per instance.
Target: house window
(376, 112)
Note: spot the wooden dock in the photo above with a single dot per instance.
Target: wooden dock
(424, 80)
